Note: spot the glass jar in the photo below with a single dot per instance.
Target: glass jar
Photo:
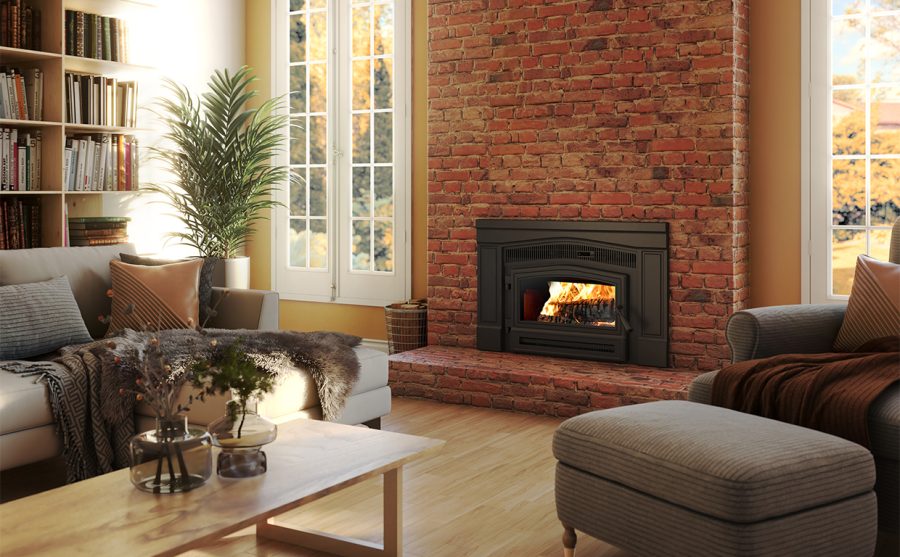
(240, 434)
(172, 458)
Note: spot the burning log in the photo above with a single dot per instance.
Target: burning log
(587, 312)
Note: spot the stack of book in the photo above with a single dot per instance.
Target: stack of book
(98, 231)
(20, 25)
(21, 93)
(20, 160)
(20, 223)
(100, 100)
(101, 162)
(95, 36)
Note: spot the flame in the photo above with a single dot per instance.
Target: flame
(574, 292)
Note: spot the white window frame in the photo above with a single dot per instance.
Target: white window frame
(338, 283)
(815, 170)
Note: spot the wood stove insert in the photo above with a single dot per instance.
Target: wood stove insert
(591, 290)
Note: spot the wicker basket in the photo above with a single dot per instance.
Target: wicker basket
(406, 326)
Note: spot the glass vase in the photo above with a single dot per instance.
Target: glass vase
(172, 458)
(241, 433)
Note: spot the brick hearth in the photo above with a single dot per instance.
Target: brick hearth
(535, 384)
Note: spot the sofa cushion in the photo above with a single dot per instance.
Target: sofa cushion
(39, 317)
(162, 297)
(715, 461)
(86, 267)
(24, 403)
(873, 310)
(204, 286)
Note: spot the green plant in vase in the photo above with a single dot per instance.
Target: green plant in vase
(241, 431)
(220, 153)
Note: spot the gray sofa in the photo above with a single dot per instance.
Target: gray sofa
(27, 432)
(809, 329)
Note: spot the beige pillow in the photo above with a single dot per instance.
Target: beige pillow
(161, 297)
(873, 310)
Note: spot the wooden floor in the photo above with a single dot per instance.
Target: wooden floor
(489, 492)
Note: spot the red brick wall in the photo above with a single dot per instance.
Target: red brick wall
(592, 110)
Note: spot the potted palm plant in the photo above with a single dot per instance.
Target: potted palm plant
(219, 153)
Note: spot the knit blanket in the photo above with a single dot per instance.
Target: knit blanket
(829, 392)
(96, 423)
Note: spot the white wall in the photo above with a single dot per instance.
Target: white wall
(185, 40)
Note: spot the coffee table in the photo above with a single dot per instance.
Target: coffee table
(309, 459)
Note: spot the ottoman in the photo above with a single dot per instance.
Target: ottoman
(677, 478)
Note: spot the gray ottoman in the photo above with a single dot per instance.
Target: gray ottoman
(677, 478)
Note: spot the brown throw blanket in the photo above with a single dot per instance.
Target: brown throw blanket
(829, 392)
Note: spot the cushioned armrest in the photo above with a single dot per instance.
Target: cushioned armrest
(795, 329)
(244, 309)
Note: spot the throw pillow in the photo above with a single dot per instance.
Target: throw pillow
(873, 310)
(159, 297)
(204, 286)
(39, 317)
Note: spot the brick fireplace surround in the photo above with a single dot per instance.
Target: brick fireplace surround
(585, 110)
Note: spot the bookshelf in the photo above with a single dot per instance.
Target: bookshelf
(56, 203)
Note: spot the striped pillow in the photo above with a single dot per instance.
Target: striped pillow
(39, 317)
(873, 310)
(159, 297)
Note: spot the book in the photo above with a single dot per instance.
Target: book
(97, 225)
(97, 232)
(86, 220)
(97, 241)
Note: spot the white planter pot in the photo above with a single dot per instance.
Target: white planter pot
(237, 272)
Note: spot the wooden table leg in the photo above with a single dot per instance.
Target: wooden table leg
(393, 513)
(349, 547)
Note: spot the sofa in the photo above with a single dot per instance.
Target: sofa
(810, 329)
(27, 431)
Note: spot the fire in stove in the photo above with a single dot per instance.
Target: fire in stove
(580, 303)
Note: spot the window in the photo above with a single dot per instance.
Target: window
(342, 234)
(853, 71)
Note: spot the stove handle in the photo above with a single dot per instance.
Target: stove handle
(621, 316)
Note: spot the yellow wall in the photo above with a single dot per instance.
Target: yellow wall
(774, 166)
(367, 322)
(774, 152)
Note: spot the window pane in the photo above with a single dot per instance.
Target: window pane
(361, 82)
(848, 188)
(384, 136)
(318, 244)
(361, 31)
(384, 80)
(318, 35)
(882, 5)
(848, 50)
(884, 49)
(361, 141)
(362, 231)
(298, 37)
(298, 89)
(298, 243)
(885, 128)
(384, 246)
(362, 192)
(318, 3)
(298, 193)
(298, 140)
(318, 192)
(384, 191)
(318, 88)
(317, 140)
(384, 29)
(880, 244)
(848, 121)
(884, 192)
(296, 5)
(846, 245)
(840, 7)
